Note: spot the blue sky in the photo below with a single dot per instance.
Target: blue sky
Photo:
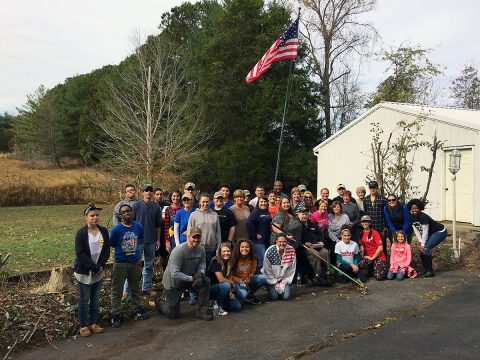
(46, 44)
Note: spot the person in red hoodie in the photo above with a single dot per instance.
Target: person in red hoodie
(371, 250)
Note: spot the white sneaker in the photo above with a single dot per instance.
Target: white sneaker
(222, 312)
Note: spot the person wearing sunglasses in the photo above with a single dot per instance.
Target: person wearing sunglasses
(397, 217)
(149, 214)
(308, 200)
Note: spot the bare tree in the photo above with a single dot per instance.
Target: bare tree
(466, 88)
(349, 101)
(394, 159)
(334, 34)
(155, 126)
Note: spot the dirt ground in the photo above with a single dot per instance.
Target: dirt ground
(31, 321)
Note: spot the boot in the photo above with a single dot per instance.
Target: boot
(428, 268)
(424, 264)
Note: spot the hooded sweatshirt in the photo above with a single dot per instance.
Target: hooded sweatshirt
(208, 222)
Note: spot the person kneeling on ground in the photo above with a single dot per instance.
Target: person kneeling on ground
(400, 258)
(312, 237)
(125, 238)
(371, 249)
(279, 267)
(222, 290)
(186, 271)
(243, 275)
(348, 255)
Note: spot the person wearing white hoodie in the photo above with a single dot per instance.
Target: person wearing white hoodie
(207, 220)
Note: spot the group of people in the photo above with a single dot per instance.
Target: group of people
(224, 250)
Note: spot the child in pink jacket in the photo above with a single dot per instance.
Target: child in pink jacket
(400, 257)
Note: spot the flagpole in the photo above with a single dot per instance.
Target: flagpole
(285, 109)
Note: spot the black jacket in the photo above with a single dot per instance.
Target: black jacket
(83, 257)
(311, 233)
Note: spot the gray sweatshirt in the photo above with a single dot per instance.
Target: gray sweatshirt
(208, 222)
(183, 263)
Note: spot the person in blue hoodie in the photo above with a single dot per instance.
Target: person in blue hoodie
(259, 228)
(397, 217)
(126, 238)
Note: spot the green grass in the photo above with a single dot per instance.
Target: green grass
(41, 237)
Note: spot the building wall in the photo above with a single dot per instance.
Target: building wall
(347, 158)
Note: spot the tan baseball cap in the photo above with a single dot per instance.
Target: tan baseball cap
(194, 231)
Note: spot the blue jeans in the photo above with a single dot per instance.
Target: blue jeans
(147, 272)
(273, 295)
(221, 294)
(88, 303)
(433, 240)
(399, 275)
(256, 282)
(260, 251)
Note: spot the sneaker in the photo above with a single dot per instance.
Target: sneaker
(96, 329)
(140, 314)
(116, 321)
(222, 312)
(427, 274)
(193, 298)
(85, 331)
(204, 314)
(252, 299)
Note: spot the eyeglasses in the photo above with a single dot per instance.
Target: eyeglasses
(185, 199)
(391, 200)
(308, 197)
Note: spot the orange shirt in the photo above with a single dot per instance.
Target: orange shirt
(273, 210)
(244, 270)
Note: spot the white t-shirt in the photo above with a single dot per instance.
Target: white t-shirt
(95, 243)
(347, 251)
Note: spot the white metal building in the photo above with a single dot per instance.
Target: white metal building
(346, 156)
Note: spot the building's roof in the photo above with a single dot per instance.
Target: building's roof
(469, 119)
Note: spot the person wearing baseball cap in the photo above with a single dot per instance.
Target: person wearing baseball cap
(186, 271)
(92, 250)
(225, 216)
(316, 271)
(371, 249)
(181, 219)
(148, 213)
(191, 188)
(373, 206)
(341, 188)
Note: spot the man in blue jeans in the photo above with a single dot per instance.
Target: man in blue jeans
(148, 213)
(186, 271)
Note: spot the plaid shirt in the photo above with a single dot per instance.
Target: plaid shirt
(168, 221)
(375, 211)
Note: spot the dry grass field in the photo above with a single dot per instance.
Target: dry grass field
(23, 184)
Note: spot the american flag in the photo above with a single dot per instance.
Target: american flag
(287, 259)
(284, 48)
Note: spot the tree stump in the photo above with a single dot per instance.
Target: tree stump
(59, 282)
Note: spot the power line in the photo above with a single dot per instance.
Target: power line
(39, 62)
(54, 45)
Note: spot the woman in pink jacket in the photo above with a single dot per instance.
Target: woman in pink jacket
(400, 257)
